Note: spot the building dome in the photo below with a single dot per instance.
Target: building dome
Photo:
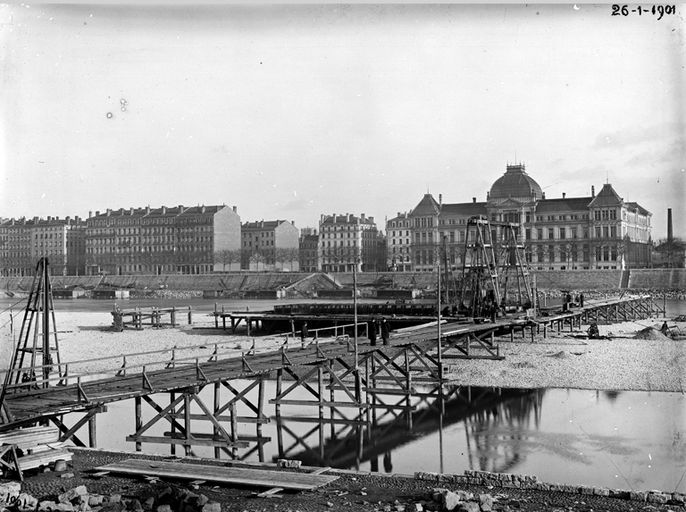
(515, 184)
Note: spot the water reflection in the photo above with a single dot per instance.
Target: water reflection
(629, 440)
(488, 415)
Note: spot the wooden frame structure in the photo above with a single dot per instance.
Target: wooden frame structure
(383, 384)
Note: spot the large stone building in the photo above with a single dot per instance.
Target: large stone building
(185, 240)
(348, 242)
(593, 232)
(23, 242)
(270, 245)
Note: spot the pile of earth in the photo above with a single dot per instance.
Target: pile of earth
(650, 333)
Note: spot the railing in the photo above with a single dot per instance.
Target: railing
(337, 330)
(67, 373)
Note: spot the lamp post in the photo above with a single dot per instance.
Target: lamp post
(438, 317)
(355, 310)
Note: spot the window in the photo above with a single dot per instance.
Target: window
(551, 233)
(606, 231)
(613, 231)
(563, 233)
(596, 215)
(539, 234)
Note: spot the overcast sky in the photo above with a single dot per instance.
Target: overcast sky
(292, 111)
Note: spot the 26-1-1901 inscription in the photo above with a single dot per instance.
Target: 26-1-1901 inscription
(654, 10)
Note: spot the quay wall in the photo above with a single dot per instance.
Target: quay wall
(638, 279)
(658, 278)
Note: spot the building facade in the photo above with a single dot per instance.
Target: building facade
(270, 245)
(398, 243)
(183, 240)
(309, 244)
(23, 242)
(592, 232)
(348, 242)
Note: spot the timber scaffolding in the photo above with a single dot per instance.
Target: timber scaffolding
(331, 375)
(155, 317)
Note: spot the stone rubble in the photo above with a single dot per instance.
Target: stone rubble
(78, 499)
(461, 500)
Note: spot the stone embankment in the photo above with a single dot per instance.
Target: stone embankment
(512, 481)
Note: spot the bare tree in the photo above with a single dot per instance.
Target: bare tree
(227, 257)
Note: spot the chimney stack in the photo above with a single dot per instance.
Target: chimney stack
(235, 209)
(440, 199)
(564, 194)
(592, 191)
(473, 199)
(670, 233)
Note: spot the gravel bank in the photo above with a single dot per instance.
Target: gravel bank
(563, 361)
(558, 361)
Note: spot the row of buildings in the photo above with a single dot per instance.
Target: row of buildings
(598, 231)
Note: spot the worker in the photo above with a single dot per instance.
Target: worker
(385, 331)
(303, 334)
(593, 331)
(371, 332)
(581, 300)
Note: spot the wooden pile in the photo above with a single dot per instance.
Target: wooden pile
(31, 447)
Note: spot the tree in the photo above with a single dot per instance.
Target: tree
(227, 257)
(257, 257)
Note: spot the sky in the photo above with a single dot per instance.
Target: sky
(293, 111)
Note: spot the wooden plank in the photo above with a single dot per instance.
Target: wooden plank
(222, 474)
(36, 460)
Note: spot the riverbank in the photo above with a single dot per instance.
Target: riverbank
(354, 491)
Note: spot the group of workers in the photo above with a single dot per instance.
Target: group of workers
(376, 326)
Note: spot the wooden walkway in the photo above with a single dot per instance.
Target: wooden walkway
(56, 400)
(221, 474)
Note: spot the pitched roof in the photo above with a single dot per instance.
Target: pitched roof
(346, 219)
(427, 206)
(638, 208)
(560, 204)
(606, 197)
(464, 209)
(263, 224)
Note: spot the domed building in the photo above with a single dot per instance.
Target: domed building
(563, 233)
(516, 185)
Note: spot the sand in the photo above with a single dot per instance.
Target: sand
(559, 361)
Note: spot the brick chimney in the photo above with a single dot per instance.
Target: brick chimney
(564, 195)
(473, 199)
(670, 233)
(592, 191)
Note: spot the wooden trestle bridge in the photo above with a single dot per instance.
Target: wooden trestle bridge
(342, 386)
